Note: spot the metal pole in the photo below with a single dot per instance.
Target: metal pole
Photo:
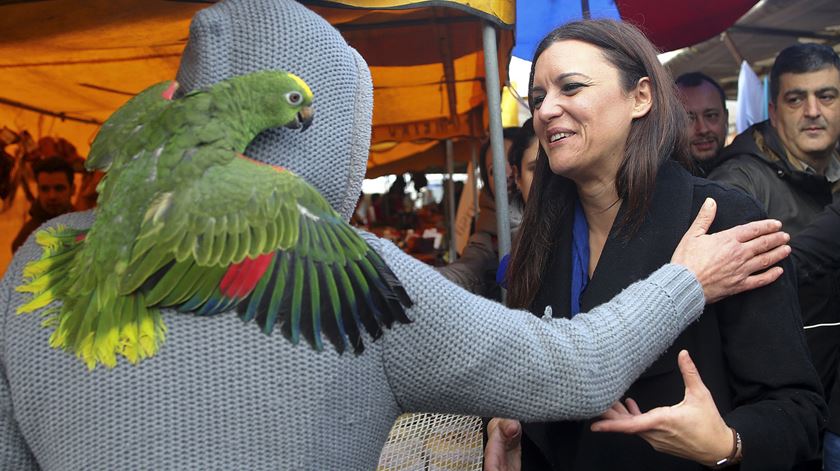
(730, 46)
(494, 107)
(474, 176)
(450, 199)
(584, 9)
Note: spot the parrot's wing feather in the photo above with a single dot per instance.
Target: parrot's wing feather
(109, 148)
(250, 236)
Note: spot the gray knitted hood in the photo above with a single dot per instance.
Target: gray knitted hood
(235, 37)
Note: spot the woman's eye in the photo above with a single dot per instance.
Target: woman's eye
(538, 101)
(572, 87)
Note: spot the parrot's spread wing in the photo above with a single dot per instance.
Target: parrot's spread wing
(252, 236)
(184, 222)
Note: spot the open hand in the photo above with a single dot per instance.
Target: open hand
(728, 262)
(692, 429)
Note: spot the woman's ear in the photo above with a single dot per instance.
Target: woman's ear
(642, 98)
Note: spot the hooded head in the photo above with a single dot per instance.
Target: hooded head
(235, 37)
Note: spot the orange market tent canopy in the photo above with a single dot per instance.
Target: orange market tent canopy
(427, 63)
(68, 64)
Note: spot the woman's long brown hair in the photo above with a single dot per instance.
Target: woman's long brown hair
(653, 138)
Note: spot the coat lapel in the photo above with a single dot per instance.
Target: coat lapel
(626, 260)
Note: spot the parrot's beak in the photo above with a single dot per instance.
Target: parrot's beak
(303, 119)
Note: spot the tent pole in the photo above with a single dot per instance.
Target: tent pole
(474, 159)
(494, 107)
(730, 46)
(450, 199)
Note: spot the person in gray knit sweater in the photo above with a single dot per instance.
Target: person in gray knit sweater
(221, 395)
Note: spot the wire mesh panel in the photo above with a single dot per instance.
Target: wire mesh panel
(433, 442)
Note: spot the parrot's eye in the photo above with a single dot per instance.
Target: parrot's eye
(294, 98)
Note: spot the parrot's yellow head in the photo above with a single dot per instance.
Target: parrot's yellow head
(306, 91)
(303, 119)
(272, 98)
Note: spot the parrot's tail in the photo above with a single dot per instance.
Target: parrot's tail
(98, 328)
(47, 278)
(96, 325)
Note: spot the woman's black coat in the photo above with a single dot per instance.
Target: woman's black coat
(749, 348)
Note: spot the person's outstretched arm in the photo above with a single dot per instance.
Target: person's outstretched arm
(464, 354)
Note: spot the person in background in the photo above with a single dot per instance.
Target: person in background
(359, 216)
(607, 205)
(522, 157)
(790, 165)
(476, 269)
(54, 178)
(708, 118)
(485, 163)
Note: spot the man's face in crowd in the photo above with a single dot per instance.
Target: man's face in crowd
(54, 192)
(806, 113)
(708, 120)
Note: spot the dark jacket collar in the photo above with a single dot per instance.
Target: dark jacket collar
(746, 143)
(762, 142)
(625, 259)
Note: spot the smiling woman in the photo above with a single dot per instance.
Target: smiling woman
(607, 205)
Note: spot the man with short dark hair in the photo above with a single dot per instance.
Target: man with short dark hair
(705, 102)
(54, 177)
(790, 165)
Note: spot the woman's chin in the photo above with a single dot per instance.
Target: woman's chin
(563, 166)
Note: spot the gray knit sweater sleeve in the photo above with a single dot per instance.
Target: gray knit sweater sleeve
(468, 355)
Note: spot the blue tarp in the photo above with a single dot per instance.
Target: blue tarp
(536, 18)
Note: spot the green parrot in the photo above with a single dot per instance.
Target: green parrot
(186, 221)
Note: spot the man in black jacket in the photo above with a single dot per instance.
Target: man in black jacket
(790, 165)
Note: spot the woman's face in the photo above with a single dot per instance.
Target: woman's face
(582, 114)
(525, 174)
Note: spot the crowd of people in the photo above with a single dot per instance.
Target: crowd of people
(652, 317)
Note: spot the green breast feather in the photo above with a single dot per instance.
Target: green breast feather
(185, 221)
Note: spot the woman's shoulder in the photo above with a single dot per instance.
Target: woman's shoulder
(734, 206)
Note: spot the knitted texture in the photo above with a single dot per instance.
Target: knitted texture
(221, 395)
